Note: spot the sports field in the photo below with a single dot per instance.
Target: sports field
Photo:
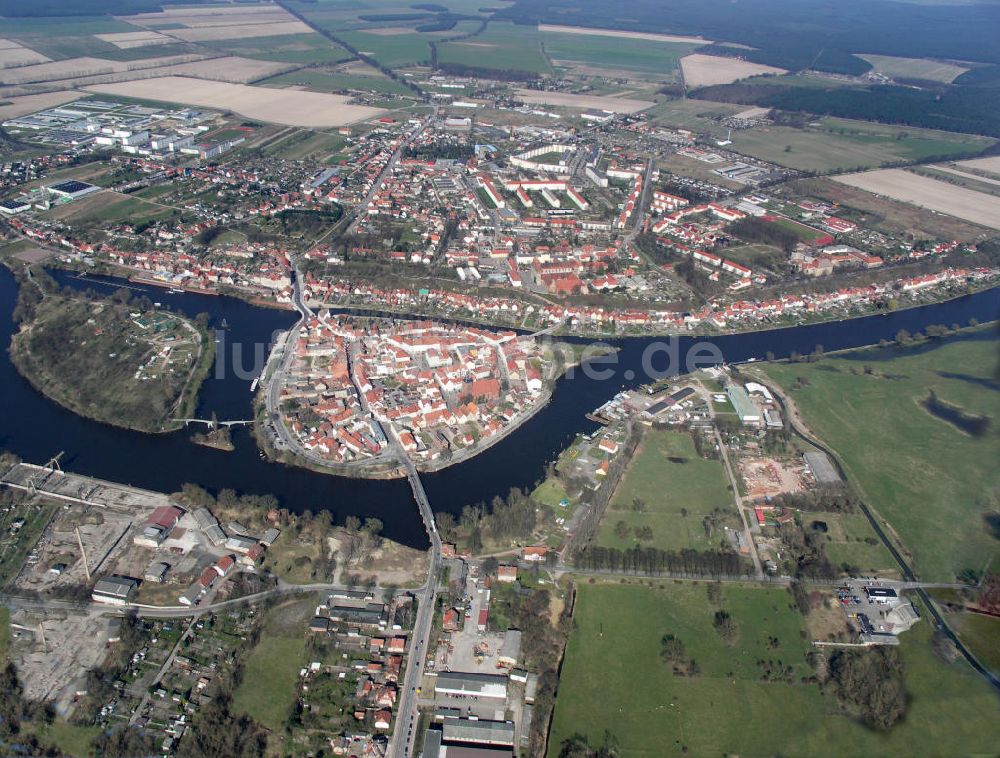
(926, 476)
(677, 490)
(614, 680)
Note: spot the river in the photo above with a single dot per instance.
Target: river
(35, 428)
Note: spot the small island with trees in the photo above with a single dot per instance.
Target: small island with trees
(116, 359)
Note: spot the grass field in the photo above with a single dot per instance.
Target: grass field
(267, 690)
(692, 114)
(846, 542)
(843, 144)
(931, 481)
(668, 476)
(613, 679)
(982, 635)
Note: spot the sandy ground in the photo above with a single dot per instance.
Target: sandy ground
(584, 102)
(15, 54)
(938, 196)
(966, 175)
(617, 33)
(310, 109)
(752, 113)
(992, 165)
(22, 106)
(704, 70)
(126, 40)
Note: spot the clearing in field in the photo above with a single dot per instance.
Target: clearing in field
(928, 470)
(289, 107)
(668, 488)
(583, 102)
(706, 70)
(915, 68)
(929, 193)
(239, 31)
(613, 679)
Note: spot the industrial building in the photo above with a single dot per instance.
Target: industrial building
(820, 467)
(491, 686)
(748, 412)
(114, 589)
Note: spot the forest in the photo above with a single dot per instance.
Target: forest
(795, 34)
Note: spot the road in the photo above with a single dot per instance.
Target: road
(384, 174)
(407, 715)
(734, 485)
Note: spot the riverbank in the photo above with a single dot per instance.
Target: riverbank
(798, 317)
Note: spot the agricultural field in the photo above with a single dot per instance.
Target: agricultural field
(677, 491)
(296, 48)
(15, 54)
(705, 70)
(394, 51)
(929, 477)
(838, 144)
(728, 709)
(501, 47)
(289, 107)
(988, 165)
(15, 107)
(915, 68)
(942, 197)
